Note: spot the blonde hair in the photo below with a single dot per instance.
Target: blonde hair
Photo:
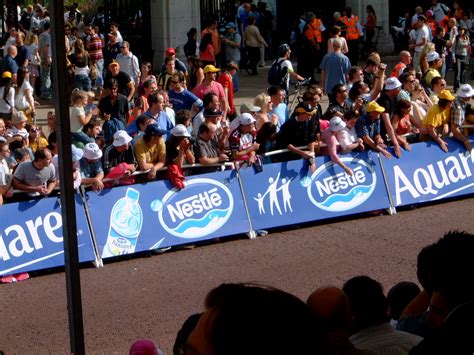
(77, 96)
(261, 101)
(31, 38)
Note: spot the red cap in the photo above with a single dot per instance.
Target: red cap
(143, 347)
(170, 51)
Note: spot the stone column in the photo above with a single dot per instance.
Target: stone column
(170, 21)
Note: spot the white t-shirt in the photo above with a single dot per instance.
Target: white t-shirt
(346, 137)
(421, 33)
(4, 173)
(5, 107)
(287, 64)
(20, 99)
(74, 113)
(439, 11)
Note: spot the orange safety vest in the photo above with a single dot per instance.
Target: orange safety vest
(396, 70)
(352, 31)
(315, 30)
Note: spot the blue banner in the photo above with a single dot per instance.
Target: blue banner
(428, 174)
(31, 236)
(136, 218)
(288, 193)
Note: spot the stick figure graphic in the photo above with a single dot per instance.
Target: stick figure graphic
(272, 190)
(285, 191)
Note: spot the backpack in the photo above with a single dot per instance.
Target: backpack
(275, 75)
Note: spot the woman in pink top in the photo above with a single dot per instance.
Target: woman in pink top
(329, 137)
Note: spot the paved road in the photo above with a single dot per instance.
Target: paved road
(150, 297)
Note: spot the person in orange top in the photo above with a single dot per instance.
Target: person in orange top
(313, 37)
(216, 39)
(430, 22)
(353, 31)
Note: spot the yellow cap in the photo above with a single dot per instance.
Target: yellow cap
(6, 74)
(446, 95)
(210, 69)
(374, 106)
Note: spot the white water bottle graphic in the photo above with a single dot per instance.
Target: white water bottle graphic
(126, 221)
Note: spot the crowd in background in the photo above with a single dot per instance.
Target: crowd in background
(126, 117)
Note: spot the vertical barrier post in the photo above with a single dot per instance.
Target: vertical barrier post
(252, 234)
(68, 210)
(392, 210)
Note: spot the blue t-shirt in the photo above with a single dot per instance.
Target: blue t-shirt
(282, 112)
(366, 127)
(9, 64)
(90, 170)
(335, 66)
(184, 100)
(163, 121)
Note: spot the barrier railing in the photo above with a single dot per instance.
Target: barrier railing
(142, 217)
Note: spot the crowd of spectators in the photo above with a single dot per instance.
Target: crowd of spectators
(130, 123)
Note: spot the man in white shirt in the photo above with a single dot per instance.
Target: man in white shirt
(422, 38)
(129, 62)
(439, 11)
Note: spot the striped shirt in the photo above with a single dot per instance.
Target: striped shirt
(458, 111)
(95, 48)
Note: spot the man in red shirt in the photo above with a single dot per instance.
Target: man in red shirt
(225, 79)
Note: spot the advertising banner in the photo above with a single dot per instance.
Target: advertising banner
(428, 174)
(289, 193)
(136, 218)
(31, 236)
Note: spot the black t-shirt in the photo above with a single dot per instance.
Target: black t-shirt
(118, 109)
(112, 157)
(389, 105)
(297, 133)
(123, 79)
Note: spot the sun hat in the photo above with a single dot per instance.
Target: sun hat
(92, 151)
(465, 90)
(432, 56)
(392, 83)
(374, 106)
(336, 124)
(210, 69)
(121, 137)
(180, 131)
(446, 95)
(77, 153)
(248, 108)
(18, 117)
(246, 119)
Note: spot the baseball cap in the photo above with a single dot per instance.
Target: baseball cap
(209, 112)
(6, 74)
(76, 153)
(422, 17)
(170, 51)
(154, 129)
(374, 106)
(230, 25)
(92, 151)
(210, 69)
(18, 117)
(303, 108)
(112, 34)
(247, 107)
(465, 90)
(121, 138)
(429, 13)
(446, 95)
(432, 56)
(336, 124)
(180, 131)
(392, 83)
(114, 63)
(246, 119)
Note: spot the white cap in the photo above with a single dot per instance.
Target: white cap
(336, 124)
(432, 56)
(92, 151)
(121, 138)
(246, 119)
(465, 90)
(392, 83)
(180, 131)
